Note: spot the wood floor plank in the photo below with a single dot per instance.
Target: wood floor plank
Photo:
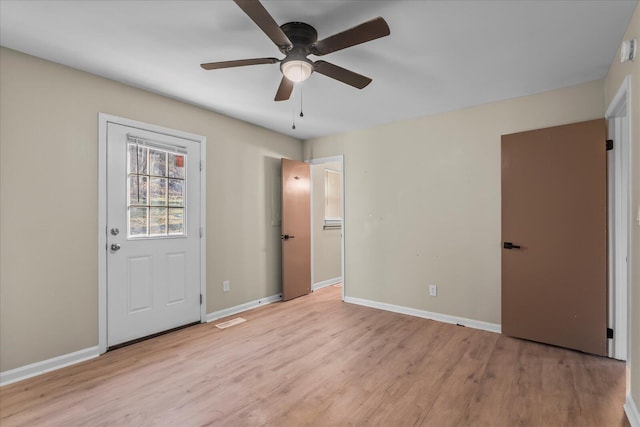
(452, 404)
(316, 361)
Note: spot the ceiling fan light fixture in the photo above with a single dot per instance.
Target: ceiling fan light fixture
(296, 70)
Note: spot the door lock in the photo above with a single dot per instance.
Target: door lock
(115, 247)
(115, 231)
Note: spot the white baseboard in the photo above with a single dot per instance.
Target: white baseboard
(38, 368)
(476, 324)
(631, 410)
(326, 283)
(242, 307)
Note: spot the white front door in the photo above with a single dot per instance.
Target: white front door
(153, 232)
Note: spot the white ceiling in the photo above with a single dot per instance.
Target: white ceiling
(440, 56)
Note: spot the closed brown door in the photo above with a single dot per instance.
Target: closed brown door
(554, 256)
(296, 229)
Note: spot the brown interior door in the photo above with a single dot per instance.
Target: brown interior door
(554, 256)
(296, 229)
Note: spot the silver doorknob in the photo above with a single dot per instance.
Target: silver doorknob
(115, 247)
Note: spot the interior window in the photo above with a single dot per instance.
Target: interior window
(332, 202)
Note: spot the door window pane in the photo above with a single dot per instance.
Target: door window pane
(158, 221)
(176, 221)
(158, 162)
(151, 189)
(176, 192)
(137, 190)
(176, 166)
(157, 191)
(138, 222)
(137, 159)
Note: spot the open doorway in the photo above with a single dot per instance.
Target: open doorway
(327, 222)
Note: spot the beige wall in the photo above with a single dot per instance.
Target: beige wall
(423, 200)
(48, 202)
(617, 73)
(327, 259)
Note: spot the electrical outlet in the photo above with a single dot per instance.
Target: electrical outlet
(225, 286)
(433, 290)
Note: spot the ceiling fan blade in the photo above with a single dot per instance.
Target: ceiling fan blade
(262, 18)
(367, 31)
(342, 74)
(238, 63)
(284, 90)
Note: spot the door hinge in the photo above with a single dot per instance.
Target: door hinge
(609, 333)
(201, 232)
(200, 165)
(200, 299)
(609, 144)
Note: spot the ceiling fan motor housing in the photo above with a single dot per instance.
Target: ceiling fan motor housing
(302, 36)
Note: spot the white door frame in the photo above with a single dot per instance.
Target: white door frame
(103, 120)
(318, 161)
(619, 116)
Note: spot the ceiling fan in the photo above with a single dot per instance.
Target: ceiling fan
(297, 40)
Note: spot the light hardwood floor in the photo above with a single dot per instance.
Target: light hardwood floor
(318, 361)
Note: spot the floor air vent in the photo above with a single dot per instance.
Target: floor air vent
(231, 322)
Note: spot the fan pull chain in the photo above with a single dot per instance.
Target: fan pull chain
(301, 115)
(298, 90)
(293, 118)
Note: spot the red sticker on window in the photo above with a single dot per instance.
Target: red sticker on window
(179, 161)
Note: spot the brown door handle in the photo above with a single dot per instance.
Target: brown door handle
(287, 236)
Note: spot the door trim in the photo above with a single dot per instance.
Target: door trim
(340, 159)
(103, 120)
(620, 131)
